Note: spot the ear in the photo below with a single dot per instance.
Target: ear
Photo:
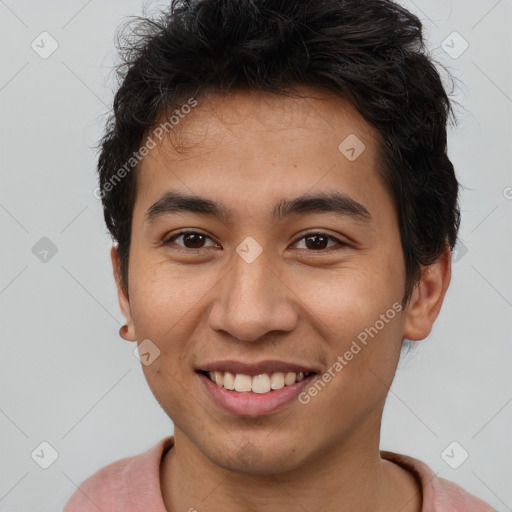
(427, 297)
(124, 302)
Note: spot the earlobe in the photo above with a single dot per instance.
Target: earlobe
(427, 297)
(127, 331)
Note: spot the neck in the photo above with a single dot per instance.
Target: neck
(348, 477)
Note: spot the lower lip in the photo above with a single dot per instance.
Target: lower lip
(253, 404)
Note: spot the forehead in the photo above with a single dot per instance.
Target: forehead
(263, 145)
(310, 111)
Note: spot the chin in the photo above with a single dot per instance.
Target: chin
(250, 456)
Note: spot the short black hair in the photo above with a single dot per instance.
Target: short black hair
(371, 53)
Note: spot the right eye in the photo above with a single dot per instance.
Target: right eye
(191, 240)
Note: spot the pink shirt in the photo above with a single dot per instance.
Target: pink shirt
(133, 485)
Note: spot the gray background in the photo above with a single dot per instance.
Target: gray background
(68, 379)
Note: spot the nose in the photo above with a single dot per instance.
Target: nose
(252, 300)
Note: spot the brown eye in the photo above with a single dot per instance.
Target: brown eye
(190, 240)
(317, 242)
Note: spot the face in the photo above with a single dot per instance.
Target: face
(263, 278)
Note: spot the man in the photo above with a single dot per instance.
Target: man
(275, 176)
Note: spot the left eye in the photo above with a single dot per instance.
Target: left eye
(311, 241)
(318, 241)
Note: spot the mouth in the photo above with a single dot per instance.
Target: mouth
(252, 389)
(263, 383)
(255, 395)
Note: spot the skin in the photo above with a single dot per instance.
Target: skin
(294, 303)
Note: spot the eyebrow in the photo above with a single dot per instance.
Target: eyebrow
(334, 202)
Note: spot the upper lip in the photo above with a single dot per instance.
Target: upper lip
(252, 369)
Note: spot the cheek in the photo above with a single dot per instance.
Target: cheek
(357, 314)
(164, 297)
(343, 301)
(162, 310)
(362, 363)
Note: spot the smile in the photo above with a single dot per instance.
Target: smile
(261, 384)
(261, 394)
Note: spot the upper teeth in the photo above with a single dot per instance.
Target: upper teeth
(262, 383)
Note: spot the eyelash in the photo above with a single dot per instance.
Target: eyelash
(340, 243)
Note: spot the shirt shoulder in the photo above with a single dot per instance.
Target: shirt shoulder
(439, 494)
(131, 484)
